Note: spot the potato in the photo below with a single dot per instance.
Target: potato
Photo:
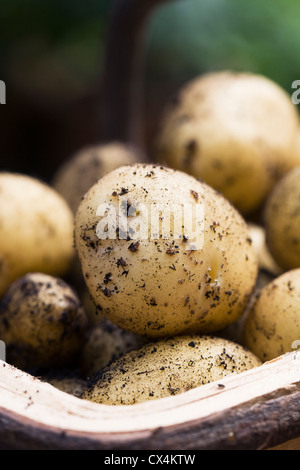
(36, 229)
(266, 263)
(154, 277)
(168, 367)
(66, 381)
(273, 323)
(282, 221)
(41, 322)
(105, 343)
(75, 177)
(234, 130)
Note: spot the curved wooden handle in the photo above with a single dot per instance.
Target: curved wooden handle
(256, 409)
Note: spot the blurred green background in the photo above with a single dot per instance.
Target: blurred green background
(52, 57)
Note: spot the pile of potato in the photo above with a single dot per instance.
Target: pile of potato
(132, 278)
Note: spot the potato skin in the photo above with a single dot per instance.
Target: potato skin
(234, 130)
(36, 229)
(282, 221)
(168, 367)
(273, 323)
(160, 287)
(75, 177)
(104, 344)
(41, 322)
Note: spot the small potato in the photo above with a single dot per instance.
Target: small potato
(105, 343)
(157, 276)
(266, 263)
(282, 221)
(75, 177)
(36, 229)
(41, 322)
(66, 381)
(233, 130)
(166, 368)
(273, 323)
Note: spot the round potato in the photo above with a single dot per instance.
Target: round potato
(162, 253)
(75, 177)
(282, 221)
(234, 130)
(67, 381)
(273, 323)
(168, 367)
(105, 343)
(41, 322)
(266, 262)
(36, 229)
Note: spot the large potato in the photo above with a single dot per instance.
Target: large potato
(41, 322)
(282, 221)
(36, 229)
(75, 177)
(153, 277)
(236, 131)
(168, 367)
(273, 324)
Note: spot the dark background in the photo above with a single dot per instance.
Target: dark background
(52, 57)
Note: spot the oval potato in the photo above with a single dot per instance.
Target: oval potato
(75, 177)
(168, 367)
(41, 322)
(156, 282)
(273, 323)
(282, 221)
(236, 131)
(36, 229)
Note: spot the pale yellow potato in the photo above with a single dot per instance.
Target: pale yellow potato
(235, 131)
(42, 322)
(168, 367)
(156, 282)
(66, 381)
(282, 221)
(36, 229)
(273, 323)
(75, 176)
(105, 343)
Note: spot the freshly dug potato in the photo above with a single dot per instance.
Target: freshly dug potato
(233, 130)
(36, 229)
(282, 221)
(266, 262)
(154, 277)
(75, 177)
(105, 343)
(41, 322)
(168, 367)
(273, 323)
(66, 381)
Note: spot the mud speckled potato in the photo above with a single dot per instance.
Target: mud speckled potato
(168, 367)
(234, 130)
(66, 381)
(273, 323)
(75, 177)
(36, 229)
(156, 283)
(41, 322)
(105, 343)
(282, 221)
(266, 262)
